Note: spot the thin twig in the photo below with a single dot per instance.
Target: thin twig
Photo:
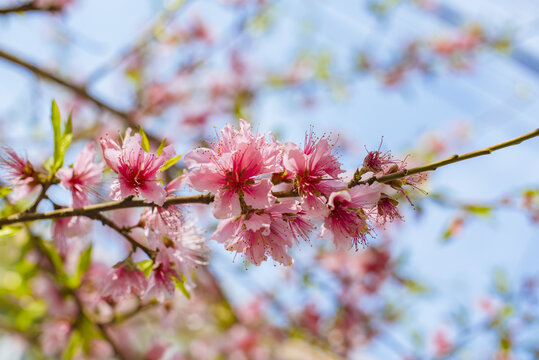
(124, 232)
(28, 7)
(450, 160)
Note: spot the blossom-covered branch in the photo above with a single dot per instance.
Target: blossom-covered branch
(450, 160)
(208, 198)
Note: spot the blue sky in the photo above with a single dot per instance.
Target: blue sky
(498, 100)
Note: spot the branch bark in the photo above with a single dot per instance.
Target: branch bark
(27, 7)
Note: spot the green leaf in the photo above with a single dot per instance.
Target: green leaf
(501, 282)
(47, 164)
(56, 128)
(72, 346)
(84, 262)
(170, 163)
(61, 140)
(49, 248)
(181, 285)
(161, 147)
(4, 191)
(479, 210)
(146, 267)
(145, 143)
(9, 231)
(416, 287)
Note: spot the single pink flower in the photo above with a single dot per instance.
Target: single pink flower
(262, 233)
(82, 176)
(137, 170)
(124, 279)
(69, 227)
(346, 222)
(160, 283)
(165, 221)
(20, 173)
(232, 169)
(387, 210)
(54, 336)
(315, 171)
(183, 251)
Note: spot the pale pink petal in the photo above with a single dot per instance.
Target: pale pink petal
(226, 204)
(225, 230)
(65, 175)
(259, 195)
(198, 156)
(152, 192)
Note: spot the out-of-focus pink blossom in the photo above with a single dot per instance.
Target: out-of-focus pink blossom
(182, 251)
(55, 4)
(54, 336)
(124, 279)
(232, 167)
(346, 222)
(262, 233)
(137, 170)
(84, 174)
(160, 283)
(65, 228)
(20, 173)
(442, 343)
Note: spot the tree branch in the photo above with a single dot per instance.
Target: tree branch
(92, 211)
(450, 160)
(124, 232)
(77, 89)
(27, 7)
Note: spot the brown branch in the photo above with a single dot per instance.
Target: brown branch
(81, 91)
(93, 210)
(28, 7)
(124, 232)
(450, 160)
(77, 89)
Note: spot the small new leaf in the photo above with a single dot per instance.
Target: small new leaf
(181, 285)
(170, 163)
(161, 147)
(146, 267)
(61, 140)
(145, 143)
(4, 192)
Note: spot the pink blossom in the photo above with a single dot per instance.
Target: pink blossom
(377, 161)
(160, 283)
(21, 173)
(137, 170)
(47, 4)
(69, 227)
(82, 176)
(346, 222)
(183, 251)
(54, 336)
(387, 210)
(262, 233)
(442, 344)
(124, 279)
(232, 169)
(315, 171)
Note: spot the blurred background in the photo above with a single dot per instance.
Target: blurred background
(422, 78)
